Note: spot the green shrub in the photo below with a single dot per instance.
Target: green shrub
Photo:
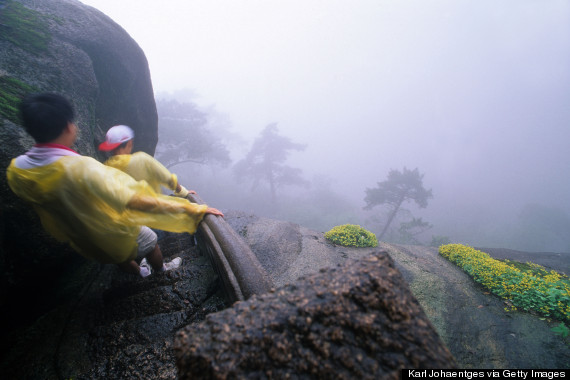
(529, 287)
(351, 235)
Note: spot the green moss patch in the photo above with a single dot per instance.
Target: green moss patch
(11, 93)
(23, 27)
(351, 235)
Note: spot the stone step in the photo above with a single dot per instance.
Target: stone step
(120, 325)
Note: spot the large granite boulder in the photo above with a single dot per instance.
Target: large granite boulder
(471, 322)
(67, 47)
(355, 321)
(287, 250)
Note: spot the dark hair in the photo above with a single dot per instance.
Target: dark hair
(124, 144)
(46, 115)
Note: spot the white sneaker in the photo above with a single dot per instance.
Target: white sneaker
(144, 271)
(175, 263)
(144, 268)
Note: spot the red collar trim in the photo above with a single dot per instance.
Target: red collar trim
(51, 145)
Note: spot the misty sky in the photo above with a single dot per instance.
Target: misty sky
(476, 94)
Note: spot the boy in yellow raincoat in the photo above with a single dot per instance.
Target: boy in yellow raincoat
(100, 211)
(140, 165)
(119, 141)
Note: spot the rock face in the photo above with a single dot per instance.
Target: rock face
(116, 325)
(287, 250)
(359, 320)
(67, 47)
(471, 322)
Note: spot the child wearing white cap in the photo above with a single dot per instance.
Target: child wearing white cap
(140, 165)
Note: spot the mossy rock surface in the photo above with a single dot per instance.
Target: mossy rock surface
(473, 322)
(11, 92)
(24, 27)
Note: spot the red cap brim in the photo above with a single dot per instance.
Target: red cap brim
(105, 146)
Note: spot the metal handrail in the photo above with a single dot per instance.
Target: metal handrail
(241, 272)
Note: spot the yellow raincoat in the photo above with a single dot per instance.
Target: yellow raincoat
(142, 166)
(83, 202)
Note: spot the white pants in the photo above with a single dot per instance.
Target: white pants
(146, 241)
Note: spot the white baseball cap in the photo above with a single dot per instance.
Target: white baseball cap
(116, 136)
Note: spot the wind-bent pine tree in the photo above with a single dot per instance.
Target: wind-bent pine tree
(399, 187)
(185, 135)
(266, 161)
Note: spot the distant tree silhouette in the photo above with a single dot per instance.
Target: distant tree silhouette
(409, 230)
(398, 188)
(265, 162)
(185, 136)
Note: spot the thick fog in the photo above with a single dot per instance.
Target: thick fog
(476, 94)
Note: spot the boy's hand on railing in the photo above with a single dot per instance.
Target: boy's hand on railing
(214, 211)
